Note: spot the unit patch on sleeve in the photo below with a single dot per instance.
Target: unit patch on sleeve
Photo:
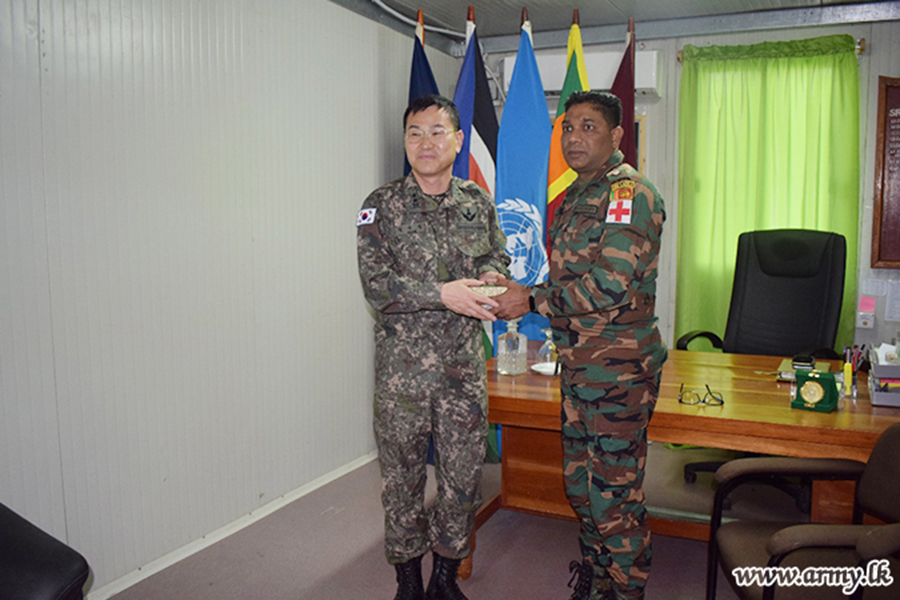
(365, 217)
(619, 210)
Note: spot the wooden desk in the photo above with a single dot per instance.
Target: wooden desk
(756, 417)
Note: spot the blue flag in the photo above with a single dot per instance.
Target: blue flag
(523, 153)
(421, 80)
(478, 120)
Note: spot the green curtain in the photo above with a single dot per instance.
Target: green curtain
(769, 138)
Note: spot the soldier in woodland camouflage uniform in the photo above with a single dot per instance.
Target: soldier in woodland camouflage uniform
(600, 300)
(423, 242)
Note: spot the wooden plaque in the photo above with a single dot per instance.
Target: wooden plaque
(886, 221)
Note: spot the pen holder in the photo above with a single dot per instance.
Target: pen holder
(848, 388)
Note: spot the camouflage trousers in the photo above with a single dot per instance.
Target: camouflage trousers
(604, 456)
(449, 404)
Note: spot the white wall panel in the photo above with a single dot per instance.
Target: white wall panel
(184, 338)
(30, 469)
(884, 46)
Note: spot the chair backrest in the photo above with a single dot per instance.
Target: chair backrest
(787, 293)
(878, 492)
(35, 565)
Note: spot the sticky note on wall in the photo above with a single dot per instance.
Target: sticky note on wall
(867, 304)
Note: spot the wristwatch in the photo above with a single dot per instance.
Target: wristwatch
(531, 303)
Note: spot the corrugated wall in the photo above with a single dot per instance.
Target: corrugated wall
(183, 338)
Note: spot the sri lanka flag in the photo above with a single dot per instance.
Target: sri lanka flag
(559, 175)
(523, 149)
(477, 159)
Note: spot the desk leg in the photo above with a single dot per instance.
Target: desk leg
(484, 513)
(832, 502)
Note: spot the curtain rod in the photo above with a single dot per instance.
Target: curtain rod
(860, 49)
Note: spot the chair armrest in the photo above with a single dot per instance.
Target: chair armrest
(683, 341)
(736, 473)
(813, 468)
(882, 541)
(817, 536)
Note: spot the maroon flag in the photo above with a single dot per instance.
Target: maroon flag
(623, 87)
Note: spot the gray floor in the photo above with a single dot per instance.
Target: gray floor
(327, 545)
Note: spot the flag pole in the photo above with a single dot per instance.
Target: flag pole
(631, 33)
(524, 15)
(575, 17)
(420, 26)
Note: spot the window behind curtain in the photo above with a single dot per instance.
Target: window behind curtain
(769, 138)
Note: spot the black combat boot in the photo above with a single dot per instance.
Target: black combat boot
(442, 585)
(409, 580)
(584, 572)
(589, 585)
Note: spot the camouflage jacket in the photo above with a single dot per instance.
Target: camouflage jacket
(409, 243)
(603, 267)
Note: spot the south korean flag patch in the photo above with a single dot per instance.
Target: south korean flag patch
(365, 217)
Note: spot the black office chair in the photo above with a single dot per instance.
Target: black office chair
(749, 544)
(787, 294)
(786, 300)
(36, 566)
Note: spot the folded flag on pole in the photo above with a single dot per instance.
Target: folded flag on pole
(478, 120)
(523, 149)
(559, 175)
(623, 87)
(421, 79)
(478, 158)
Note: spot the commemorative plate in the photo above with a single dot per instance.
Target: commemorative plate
(488, 290)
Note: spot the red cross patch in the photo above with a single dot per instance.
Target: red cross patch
(619, 211)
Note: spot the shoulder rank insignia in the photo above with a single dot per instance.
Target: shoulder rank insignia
(365, 217)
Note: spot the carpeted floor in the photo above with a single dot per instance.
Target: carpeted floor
(328, 546)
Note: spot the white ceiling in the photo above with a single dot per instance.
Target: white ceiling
(604, 21)
(503, 17)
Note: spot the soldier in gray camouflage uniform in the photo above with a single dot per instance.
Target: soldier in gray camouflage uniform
(423, 241)
(600, 299)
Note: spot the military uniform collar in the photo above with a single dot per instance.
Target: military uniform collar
(421, 200)
(610, 170)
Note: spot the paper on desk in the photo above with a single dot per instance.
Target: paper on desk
(886, 353)
(892, 307)
(786, 369)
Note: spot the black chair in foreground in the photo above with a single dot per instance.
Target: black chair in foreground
(786, 300)
(816, 546)
(36, 566)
